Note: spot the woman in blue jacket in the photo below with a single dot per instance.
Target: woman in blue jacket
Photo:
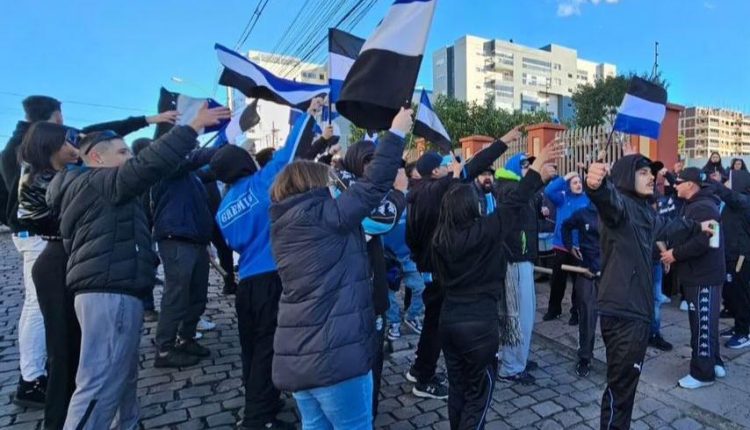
(566, 193)
(324, 345)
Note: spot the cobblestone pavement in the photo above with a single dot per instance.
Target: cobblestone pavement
(211, 395)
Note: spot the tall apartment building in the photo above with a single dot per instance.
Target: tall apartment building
(706, 130)
(517, 77)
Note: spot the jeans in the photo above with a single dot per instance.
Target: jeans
(470, 358)
(107, 378)
(513, 358)
(414, 282)
(658, 271)
(343, 406)
(257, 304)
(63, 333)
(31, 344)
(185, 290)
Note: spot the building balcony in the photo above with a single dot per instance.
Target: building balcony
(498, 65)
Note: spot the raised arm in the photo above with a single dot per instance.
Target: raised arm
(604, 195)
(133, 123)
(555, 191)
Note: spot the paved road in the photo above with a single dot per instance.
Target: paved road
(210, 395)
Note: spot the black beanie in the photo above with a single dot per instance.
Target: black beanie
(232, 163)
(428, 162)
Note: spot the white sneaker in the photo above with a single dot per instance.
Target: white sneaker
(205, 325)
(198, 336)
(684, 306)
(691, 383)
(720, 371)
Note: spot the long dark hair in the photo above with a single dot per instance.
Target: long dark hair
(459, 208)
(42, 141)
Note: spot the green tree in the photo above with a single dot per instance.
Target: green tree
(597, 104)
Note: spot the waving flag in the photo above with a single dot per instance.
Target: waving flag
(187, 106)
(427, 124)
(382, 78)
(343, 49)
(642, 110)
(257, 82)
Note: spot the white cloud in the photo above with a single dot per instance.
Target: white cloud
(567, 8)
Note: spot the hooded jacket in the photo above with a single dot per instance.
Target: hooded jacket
(326, 323)
(103, 225)
(381, 220)
(586, 222)
(423, 203)
(697, 263)
(180, 203)
(735, 216)
(565, 202)
(243, 212)
(11, 168)
(629, 229)
(520, 221)
(711, 167)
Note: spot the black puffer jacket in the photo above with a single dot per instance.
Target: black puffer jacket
(735, 217)
(520, 221)
(11, 168)
(104, 228)
(423, 203)
(34, 215)
(698, 263)
(629, 229)
(326, 323)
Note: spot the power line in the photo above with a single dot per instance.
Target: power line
(257, 18)
(74, 102)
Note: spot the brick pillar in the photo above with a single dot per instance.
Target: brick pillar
(539, 135)
(473, 144)
(667, 146)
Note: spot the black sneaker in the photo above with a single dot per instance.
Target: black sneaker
(31, 394)
(191, 347)
(523, 378)
(573, 319)
(437, 378)
(271, 425)
(430, 390)
(174, 358)
(583, 368)
(659, 343)
(549, 316)
(531, 366)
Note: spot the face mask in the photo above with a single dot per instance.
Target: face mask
(447, 160)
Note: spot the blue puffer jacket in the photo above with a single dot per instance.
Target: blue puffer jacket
(558, 192)
(180, 203)
(326, 323)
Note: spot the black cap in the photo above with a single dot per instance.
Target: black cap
(691, 174)
(230, 163)
(428, 162)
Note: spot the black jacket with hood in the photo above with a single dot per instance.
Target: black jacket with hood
(103, 225)
(629, 229)
(423, 203)
(735, 216)
(586, 222)
(381, 220)
(11, 167)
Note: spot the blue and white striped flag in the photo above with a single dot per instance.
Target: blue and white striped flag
(382, 78)
(642, 110)
(343, 49)
(257, 82)
(428, 125)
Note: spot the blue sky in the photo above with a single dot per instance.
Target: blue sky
(119, 53)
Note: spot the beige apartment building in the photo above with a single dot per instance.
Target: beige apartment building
(516, 76)
(705, 130)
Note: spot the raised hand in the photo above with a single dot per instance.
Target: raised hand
(596, 174)
(169, 117)
(207, 117)
(512, 135)
(403, 121)
(402, 181)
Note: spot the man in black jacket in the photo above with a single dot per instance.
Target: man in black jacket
(31, 342)
(735, 221)
(105, 233)
(183, 227)
(423, 207)
(701, 269)
(629, 230)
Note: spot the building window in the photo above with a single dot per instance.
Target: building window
(558, 66)
(533, 64)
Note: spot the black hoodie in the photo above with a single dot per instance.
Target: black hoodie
(698, 263)
(735, 215)
(629, 229)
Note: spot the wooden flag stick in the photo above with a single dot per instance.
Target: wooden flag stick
(575, 269)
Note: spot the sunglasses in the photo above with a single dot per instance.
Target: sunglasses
(73, 137)
(100, 137)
